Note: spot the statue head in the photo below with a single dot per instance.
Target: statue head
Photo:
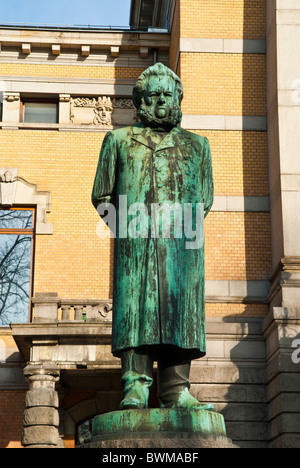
(157, 95)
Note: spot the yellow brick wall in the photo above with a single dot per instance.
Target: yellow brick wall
(237, 246)
(240, 162)
(73, 261)
(228, 19)
(69, 71)
(223, 84)
(227, 309)
(77, 264)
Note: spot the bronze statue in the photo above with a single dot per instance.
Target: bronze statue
(158, 302)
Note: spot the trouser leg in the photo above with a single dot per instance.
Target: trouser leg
(174, 385)
(136, 379)
(173, 379)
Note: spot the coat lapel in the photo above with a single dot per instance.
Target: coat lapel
(146, 136)
(171, 140)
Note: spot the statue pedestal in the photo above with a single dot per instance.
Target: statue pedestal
(159, 428)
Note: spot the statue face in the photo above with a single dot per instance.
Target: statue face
(160, 97)
(160, 107)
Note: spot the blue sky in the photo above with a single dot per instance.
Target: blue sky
(66, 12)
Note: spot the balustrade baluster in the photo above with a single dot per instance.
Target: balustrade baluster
(78, 312)
(65, 312)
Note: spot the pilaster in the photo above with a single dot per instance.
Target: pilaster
(11, 107)
(283, 99)
(282, 325)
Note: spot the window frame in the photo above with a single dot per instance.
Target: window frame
(40, 100)
(32, 232)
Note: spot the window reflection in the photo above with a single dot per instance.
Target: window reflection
(16, 219)
(40, 112)
(15, 265)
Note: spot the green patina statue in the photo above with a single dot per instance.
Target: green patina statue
(158, 301)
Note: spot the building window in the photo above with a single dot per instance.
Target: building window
(34, 111)
(16, 264)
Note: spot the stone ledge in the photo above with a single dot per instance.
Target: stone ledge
(224, 122)
(224, 46)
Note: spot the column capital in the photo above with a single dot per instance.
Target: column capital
(42, 371)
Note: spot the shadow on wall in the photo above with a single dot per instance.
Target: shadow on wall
(246, 411)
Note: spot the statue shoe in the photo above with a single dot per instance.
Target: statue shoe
(186, 401)
(135, 398)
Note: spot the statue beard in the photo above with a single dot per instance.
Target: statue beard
(149, 119)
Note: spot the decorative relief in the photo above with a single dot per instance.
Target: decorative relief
(123, 103)
(8, 185)
(102, 111)
(100, 313)
(11, 97)
(9, 175)
(14, 190)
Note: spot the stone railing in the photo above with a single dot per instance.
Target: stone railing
(48, 307)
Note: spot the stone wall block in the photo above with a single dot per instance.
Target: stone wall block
(41, 415)
(42, 397)
(40, 435)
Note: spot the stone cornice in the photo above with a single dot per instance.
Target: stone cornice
(45, 38)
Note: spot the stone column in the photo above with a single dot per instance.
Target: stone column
(41, 416)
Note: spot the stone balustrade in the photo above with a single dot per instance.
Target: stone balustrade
(48, 307)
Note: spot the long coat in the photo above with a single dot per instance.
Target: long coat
(159, 284)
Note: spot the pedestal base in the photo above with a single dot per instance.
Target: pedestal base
(159, 428)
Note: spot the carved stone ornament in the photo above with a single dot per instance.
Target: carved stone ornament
(9, 176)
(102, 111)
(15, 190)
(123, 103)
(8, 185)
(99, 313)
(11, 97)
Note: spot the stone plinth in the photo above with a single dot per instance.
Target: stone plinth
(159, 428)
